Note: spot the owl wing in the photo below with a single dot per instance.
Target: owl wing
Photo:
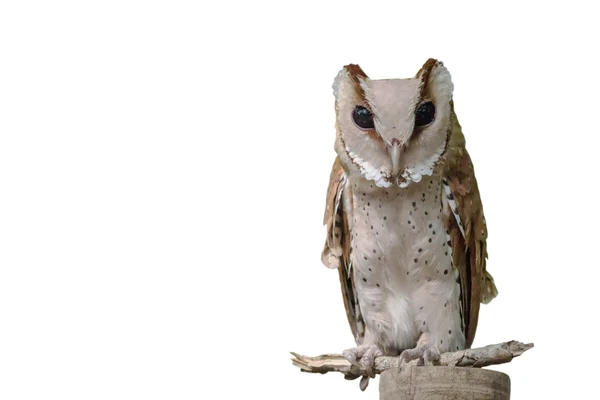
(336, 252)
(465, 223)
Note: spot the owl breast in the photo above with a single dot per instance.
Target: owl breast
(401, 263)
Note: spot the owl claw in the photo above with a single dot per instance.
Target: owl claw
(424, 353)
(366, 354)
(364, 382)
(350, 355)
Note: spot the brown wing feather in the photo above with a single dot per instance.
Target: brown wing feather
(336, 252)
(469, 250)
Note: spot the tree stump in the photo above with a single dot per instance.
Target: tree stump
(443, 383)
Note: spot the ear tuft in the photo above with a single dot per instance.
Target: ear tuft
(352, 71)
(433, 72)
(426, 69)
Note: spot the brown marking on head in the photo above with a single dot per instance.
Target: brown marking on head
(355, 71)
(424, 73)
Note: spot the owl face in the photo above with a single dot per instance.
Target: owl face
(393, 131)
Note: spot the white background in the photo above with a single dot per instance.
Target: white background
(163, 168)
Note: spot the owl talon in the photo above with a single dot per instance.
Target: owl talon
(351, 355)
(366, 354)
(424, 353)
(364, 382)
(368, 359)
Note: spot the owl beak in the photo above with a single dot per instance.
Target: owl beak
(395, 154)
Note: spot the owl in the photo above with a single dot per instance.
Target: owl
(404, 219)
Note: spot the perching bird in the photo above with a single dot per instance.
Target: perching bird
(405, 223)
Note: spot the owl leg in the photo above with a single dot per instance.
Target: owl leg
(424, 351)
(366, 353)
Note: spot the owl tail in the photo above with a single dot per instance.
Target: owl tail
(489, 289)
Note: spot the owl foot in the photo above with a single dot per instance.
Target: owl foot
(423, 353)
(366, 353)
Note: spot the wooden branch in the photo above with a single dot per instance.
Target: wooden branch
(475, 358)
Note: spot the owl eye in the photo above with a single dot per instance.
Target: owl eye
(424, 114)
(363, 117)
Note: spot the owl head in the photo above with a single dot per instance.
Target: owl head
(393, 131)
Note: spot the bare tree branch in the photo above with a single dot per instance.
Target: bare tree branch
(475, 358)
